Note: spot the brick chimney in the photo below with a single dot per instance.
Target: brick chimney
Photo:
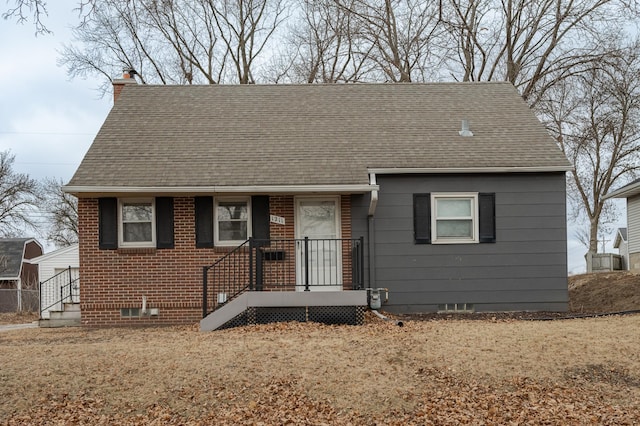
(118, 84)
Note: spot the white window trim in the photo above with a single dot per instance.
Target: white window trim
(474, 218)
(216, 232)
(136, 244)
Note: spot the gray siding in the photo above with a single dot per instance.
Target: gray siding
(525, 269)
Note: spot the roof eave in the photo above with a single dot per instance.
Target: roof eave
(468, 170)
(47, 256)
(625, 191)
(220, 189)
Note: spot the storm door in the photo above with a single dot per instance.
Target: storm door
(319, 258)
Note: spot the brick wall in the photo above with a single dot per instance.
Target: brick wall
(170, 279)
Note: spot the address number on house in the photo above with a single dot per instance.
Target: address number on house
(277, 219)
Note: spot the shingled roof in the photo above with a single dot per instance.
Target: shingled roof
(11, 257)
(267, 135)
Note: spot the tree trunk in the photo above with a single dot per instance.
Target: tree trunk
(593, 235)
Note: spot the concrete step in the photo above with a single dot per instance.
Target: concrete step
(65, 315)
(55, 323)
(71, 307)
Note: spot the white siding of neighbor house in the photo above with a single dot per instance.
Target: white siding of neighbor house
(633, 231)
(51, 264)
(623, 250)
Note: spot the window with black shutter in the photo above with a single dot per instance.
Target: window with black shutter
(454, 218)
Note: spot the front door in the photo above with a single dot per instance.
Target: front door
(319, 261)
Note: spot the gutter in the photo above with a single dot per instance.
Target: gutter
(220, 189)
(450, 170)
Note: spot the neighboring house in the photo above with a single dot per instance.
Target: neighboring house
(631, 192)
(59, 273)
(16, 273)
(449, 195)
(620, 243)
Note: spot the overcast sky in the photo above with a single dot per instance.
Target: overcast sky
(48, 121)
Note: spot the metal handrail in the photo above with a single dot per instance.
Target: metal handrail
(221, 261)
(283, 264)
(63, 296)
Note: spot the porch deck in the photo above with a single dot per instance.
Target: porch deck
(306, 279)
(260, 307)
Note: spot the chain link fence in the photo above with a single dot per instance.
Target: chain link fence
(9, 300)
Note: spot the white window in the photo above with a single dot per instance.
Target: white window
(232, 221)
(137, 223)
(454, 218)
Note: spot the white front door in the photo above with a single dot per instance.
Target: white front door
(320, 262)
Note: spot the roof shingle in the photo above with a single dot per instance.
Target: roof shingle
(11, 252)
(241, 135)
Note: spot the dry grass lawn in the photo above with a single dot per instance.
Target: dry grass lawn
(502, 371)
(581, 371)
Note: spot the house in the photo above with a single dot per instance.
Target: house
(59, 273)
(620, 243)
(192, 198)
(18, 278)
(631, 192)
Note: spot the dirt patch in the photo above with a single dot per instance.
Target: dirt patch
(600, 373)
(604, 292)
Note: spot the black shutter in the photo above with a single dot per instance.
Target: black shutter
(260, 217)
(164, 223)
(487, 220)
(204, 221)
(108, 223)
(422, 218)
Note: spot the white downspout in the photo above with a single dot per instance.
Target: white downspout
(371, 229)
(374, 194)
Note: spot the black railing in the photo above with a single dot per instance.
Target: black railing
(64, 287)
(283, 265)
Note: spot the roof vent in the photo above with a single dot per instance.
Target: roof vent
(465, 129)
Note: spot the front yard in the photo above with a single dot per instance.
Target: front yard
(581, 371)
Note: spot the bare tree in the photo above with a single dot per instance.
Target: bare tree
(245, 26)
(398, 36)
(532, 44)
(25, 10)
(322, 47)
(595, 117)
(19, 198)
(61, 211)
(174, 42)
(36, 11)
